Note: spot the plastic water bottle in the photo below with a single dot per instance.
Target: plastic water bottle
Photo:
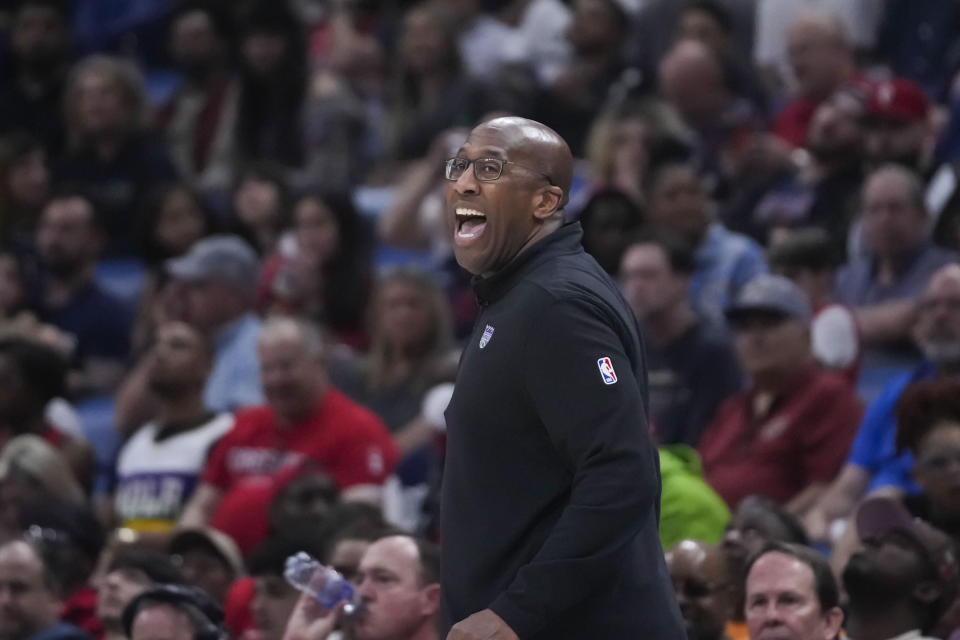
(324, 584)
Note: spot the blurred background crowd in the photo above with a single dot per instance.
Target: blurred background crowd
(230, 315)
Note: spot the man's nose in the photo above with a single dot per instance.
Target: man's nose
(257, 607)
(365, 590)
(467, 183)
(771, 615)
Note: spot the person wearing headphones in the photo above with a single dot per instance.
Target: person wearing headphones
(173, 612)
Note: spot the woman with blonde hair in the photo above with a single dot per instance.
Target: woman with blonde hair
(111, 154)
(411, 351)
(37, 472)
(619, 143)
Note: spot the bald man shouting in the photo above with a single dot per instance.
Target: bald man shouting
(551, 486)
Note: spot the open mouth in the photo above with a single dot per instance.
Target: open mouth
(470, 224)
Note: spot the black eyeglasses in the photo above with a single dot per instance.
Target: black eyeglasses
(484, 169)
(695, 589)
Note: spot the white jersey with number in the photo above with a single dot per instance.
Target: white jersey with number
(156, 479)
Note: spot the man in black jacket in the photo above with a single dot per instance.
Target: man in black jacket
(551, 489)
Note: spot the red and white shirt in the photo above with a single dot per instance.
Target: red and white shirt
(350, 443)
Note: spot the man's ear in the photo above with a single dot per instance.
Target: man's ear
(834, 622)
(927, 592)
(546, 202)
(430, 599)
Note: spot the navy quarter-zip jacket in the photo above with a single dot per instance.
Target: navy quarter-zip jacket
(551, 487)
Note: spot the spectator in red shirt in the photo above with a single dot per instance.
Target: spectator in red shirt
(788, 434)
(821, 57)
(304, 419)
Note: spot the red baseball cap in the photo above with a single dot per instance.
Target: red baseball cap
(897, 99)
(244, 512)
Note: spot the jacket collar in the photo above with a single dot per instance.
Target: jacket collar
(563, 241)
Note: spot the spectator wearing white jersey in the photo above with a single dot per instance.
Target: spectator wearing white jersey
(158, 467)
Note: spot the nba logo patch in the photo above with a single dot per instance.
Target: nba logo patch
(606, 371)
(485, 338)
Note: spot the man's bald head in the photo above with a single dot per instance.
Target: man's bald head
(693, 59)
(508, 185)
(937, 330)
(699, 557)
(534, 145)
(819, 28)
(945, 278)
(699, 574)
(692, 80)
(820, 54)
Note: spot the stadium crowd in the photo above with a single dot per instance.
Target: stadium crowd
(230, 315)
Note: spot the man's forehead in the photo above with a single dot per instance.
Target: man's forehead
(479, 150)
(393, 554)
(18, 552)
(682, 565)
(790, 574)
(946, 287)
(647, 252)
(281, 338)
(131, 573)
(509, 134)
(180, 331)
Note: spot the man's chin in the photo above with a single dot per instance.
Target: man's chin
(165, 387)
(468, 260)
(361, 627)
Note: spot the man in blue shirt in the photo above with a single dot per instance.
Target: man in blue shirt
(723, 261)
(219, 276)
(69, 241)
(874, 462)
(882, 286)
(215, 283)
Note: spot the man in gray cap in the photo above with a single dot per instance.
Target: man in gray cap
(787, 435)
(215, 283)
(219, 276)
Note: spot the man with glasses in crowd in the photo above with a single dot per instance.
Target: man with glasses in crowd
(551, 486)
(701, 582)
(31, 595)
